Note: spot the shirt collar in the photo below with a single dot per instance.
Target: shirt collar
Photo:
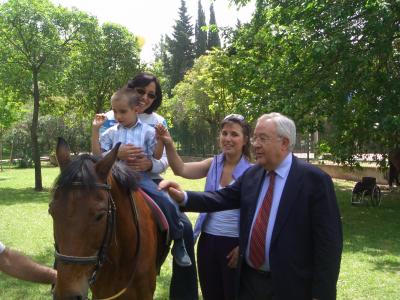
(138, 122)
(283, 169)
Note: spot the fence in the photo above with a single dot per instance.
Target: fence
(202, 145)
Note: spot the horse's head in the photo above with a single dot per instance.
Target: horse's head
(83, 219)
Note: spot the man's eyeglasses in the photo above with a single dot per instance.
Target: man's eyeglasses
(142, 92)
(263, 139)
(234, 117)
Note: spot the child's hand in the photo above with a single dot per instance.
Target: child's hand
(163, 134)
(99, 120)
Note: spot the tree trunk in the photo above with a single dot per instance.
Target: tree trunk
(35, 145)
(11, 152)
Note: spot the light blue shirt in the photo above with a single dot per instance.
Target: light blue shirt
(280, 179)
(159, 165)
(139, 135)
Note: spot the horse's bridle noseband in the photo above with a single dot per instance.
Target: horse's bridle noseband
(98, 259)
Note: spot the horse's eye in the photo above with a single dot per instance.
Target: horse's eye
(100, 216)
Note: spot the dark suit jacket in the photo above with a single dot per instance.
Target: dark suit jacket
(306, 242)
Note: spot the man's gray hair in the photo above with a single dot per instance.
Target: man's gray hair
(285, 127)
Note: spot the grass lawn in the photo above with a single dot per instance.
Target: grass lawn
(371, 258)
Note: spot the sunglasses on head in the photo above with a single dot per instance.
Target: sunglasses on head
(142, 92)
(236, 117)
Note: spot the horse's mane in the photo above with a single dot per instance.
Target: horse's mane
(81, 170)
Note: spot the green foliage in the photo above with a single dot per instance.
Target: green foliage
(180, 47)
(10, 109)
(200, 35)
(212, 35)
(35, 40)
(106, 59)
(49, 128)
(48, 52)
(200, 102)
(331, 66)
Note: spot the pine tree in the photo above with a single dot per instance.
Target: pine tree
(199, 34)
(180, 46)
(213, 37)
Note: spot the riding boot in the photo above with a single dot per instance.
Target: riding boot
(180, 254)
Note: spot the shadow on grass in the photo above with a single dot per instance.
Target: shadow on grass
(372, 231)
(11, 196)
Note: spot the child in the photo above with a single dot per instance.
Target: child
(130, 130)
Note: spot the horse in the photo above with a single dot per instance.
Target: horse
(394, 167)
(106, 237)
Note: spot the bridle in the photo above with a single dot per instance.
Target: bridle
(99, 259)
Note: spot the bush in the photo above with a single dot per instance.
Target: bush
(18, 138)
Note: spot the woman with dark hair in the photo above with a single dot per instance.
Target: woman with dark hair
(183, 284)
(217, 250)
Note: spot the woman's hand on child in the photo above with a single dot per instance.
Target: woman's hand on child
(134, 158)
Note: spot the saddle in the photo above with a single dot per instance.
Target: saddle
(163, 228)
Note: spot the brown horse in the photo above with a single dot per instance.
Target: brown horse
(105, 236)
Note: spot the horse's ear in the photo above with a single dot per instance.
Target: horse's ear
(103, 167)
(63, 153)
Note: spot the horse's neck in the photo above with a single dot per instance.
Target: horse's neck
(131, 260)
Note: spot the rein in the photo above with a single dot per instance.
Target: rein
(101, 255)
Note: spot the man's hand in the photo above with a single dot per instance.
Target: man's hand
(173, 189)
(233, 258)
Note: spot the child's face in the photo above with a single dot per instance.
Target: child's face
(125, 114)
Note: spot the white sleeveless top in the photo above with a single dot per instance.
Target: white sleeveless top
(223, 223)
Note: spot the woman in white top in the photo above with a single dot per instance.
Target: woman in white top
(217, 250)
(184, 279)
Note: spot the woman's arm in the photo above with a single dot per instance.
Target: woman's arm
(192, 170)
(189, 170)
(98, 121)
(158, 149)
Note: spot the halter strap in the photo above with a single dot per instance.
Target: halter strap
(98, 260)
(98, 185)
(79, 260)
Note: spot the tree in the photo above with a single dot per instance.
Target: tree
(10, 112)
(200, 102)
(162, 64)
(200, 34)
(35, 39)
(180, 46)
(212, 36)
(101, 64)
(333, 66)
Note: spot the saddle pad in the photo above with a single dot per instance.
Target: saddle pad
(157, 212)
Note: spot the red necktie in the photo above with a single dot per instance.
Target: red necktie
(259, 231)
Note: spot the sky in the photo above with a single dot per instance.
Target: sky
(152, 18)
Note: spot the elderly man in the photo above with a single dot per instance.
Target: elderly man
(290, 228)
(20, 266)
